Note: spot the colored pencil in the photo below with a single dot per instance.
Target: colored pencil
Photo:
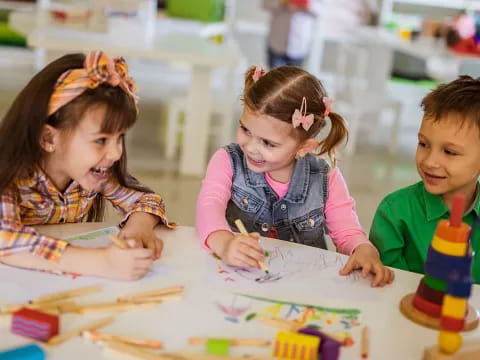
(97, 336)
(231, 341)
(114, 238)
(365, 342)
(66, 294)
(73, 333)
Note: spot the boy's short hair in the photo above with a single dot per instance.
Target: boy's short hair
(460, 97)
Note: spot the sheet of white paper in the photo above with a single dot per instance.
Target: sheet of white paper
(309, 270)
(20, 285)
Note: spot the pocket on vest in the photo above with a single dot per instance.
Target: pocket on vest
(246, 201)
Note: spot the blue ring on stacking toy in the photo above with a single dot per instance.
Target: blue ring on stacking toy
(446, 267)
(461, 289)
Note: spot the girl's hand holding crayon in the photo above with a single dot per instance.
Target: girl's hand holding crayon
(366, 257)
(139, 228)
(125, 264)
(237, 249)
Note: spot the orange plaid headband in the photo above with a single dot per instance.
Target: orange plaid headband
(98, 69)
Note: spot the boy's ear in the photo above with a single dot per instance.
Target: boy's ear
(49, 138)
(308, 146)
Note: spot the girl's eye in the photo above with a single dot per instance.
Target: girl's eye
(422, 144)
(101, 141)
(245, 130)
(449, 152)
(268, 144)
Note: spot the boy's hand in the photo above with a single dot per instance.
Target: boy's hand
(242, 250)
(139, 228)
(366, 257)
(125, 264)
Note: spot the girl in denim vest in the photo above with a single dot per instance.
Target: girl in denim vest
(270, 180)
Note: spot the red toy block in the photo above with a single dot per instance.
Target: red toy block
(34, 324)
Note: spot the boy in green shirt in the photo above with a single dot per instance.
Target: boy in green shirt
(448, 161)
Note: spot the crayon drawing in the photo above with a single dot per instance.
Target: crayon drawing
(241, 309)
(297, 266)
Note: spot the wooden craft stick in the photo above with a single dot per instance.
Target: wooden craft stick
(115, 307)
(143, 354)
(231, 341)
(47, 306)
(73, 333)
(282, 324)
(114, 238)
(244, 231)
(365, 342)
(67, 294)
(154, 292)
(159, 298)
(97, 336)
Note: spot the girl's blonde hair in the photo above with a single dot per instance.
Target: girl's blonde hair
(280, 91)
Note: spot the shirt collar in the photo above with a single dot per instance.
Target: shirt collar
(436, 208)
(38, 177)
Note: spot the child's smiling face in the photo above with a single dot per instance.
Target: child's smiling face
(268, 144)
(84, 154)
(448, 157)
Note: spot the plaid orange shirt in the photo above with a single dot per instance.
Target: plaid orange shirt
(35, 201)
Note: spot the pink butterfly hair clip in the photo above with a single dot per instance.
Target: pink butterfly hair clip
(300, 117)
(259, 72)
(328, 105)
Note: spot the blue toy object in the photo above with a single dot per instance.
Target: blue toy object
(27, 352)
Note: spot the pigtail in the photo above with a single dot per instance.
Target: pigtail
(337, 135)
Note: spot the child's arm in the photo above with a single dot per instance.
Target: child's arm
(111, 262)
(142, 212)
(386, 235)
(347, 234)
(23, 246)
(211, 224)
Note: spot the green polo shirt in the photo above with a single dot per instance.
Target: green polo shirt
(404, 225)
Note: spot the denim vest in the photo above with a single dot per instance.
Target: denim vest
(298, 216)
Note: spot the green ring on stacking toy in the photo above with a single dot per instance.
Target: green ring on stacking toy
(435, 283)
(218, 347)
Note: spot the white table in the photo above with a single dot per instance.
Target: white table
(201, 54)
(392, 335)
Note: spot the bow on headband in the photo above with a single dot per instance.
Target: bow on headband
(259, 72)
(300, 117)
(98, 69)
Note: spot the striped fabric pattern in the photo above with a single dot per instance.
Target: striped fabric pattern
(35, 200)
(98, 69)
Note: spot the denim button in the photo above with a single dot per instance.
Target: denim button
(265, 227)
(283, 207)
(245, 201)
(311, 222)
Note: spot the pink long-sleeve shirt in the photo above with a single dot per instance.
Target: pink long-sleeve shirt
(340, 216)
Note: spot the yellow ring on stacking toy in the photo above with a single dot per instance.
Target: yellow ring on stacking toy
(449, 247)
(454, 307)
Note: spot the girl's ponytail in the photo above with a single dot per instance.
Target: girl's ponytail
(337, 135)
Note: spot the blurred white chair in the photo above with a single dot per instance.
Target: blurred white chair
(360, 88)
(220, 127)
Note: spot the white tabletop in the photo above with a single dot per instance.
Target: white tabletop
(183, 263)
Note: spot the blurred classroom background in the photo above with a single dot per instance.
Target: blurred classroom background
(376, 58)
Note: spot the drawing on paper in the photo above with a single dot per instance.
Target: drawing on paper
(287, 262)
(240, 309)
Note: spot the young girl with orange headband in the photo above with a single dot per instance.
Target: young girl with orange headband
(62, 154)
